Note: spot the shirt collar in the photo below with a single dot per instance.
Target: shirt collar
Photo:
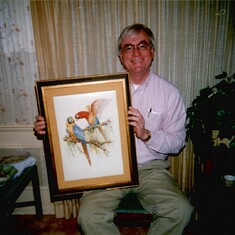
(145, 83)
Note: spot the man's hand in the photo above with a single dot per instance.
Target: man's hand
(39, 125)
(137, 121)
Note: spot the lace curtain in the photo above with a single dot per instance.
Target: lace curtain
(195, 42)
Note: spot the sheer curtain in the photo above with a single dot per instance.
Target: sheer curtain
(17, 64)
(195, 42)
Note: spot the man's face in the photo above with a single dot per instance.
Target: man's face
(136, 55)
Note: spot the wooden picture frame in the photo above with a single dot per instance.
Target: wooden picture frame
(88, 143)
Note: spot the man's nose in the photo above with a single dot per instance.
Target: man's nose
(136, 50)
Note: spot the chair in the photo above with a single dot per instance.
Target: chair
(130, 213)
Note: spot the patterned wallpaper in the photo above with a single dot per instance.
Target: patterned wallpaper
(18, 66)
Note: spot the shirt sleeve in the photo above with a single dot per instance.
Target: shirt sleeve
(170, 139)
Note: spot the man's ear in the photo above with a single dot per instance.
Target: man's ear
(152, 51)
(120, 57)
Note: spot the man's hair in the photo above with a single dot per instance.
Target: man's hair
(134, 29)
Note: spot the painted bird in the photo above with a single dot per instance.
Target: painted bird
(76, 133)
(91, 113)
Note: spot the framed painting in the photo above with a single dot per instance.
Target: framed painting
(88, 143)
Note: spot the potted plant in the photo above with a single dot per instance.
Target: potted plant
(211, 117)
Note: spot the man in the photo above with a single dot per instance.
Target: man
(158, 117)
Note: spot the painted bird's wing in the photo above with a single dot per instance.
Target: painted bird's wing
(98, 106)
(79, 133)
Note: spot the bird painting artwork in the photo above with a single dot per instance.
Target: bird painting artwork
(93, 135)
(77, 135)
(91, 114)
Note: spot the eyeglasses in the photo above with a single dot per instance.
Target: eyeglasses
(141, 47)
